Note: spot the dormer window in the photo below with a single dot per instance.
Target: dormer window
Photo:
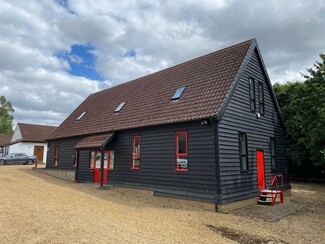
(80, 116)
(178, 93)
(118, 109)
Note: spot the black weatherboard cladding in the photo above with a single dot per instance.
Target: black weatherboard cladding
(66, 152)
(239, 118)
(157, 170)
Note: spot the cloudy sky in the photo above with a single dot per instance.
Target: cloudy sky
(54, 53)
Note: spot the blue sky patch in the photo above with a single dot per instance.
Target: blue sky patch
(130, 53)
(82, 61)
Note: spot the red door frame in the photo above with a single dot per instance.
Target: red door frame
(260, 169)
(96, 173)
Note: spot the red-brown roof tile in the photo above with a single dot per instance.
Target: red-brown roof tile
(93, 141)
(35, 133)
(208, 79)
(5, 139)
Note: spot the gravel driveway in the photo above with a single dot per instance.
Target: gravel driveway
(36, 208)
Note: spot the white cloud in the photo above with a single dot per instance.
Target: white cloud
(161, 33)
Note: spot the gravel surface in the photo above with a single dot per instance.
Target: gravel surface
(36, 208)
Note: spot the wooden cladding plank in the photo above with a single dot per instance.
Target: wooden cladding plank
(238, 118)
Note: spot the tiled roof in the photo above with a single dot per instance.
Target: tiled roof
(93, 141)
(5, 139)
(207, 80)
(35, 133)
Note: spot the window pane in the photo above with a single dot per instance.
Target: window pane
(136, 162)
(111, 162)
(251, 89)
(56, 150)
(261, 108)
(178, 93)
(243, 163)
(260, 90)
(261, 98)
(136, 145)
(272, 147)
(92, 159)
(56, 155)
(98, 160)
(242, 143)
(181, 138)
(182, 163)
(252, 103)
(118, 109)
(243, 152)
(273, 163)
(105, 160)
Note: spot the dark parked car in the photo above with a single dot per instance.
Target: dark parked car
(20, 158)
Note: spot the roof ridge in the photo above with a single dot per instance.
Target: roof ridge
(176, 65)
(207, 77)
(21, 123)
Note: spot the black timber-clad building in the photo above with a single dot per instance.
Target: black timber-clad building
(209, 129)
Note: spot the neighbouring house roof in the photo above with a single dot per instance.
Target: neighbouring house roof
(94, 141)
(5, 139)
(208, 80)
(34, 133)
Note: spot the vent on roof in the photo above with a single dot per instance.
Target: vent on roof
(178, 93)
(80, 116)
(118, 109)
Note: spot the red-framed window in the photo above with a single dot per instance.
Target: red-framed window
(136, 152)
(74, 158)
(95, 159)
(56, 155)
(181, 151)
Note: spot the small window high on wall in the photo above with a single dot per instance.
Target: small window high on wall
(252, 94)
(261, 97)
(181, 150)
(56, 155)
(136, 152)
(243, 152)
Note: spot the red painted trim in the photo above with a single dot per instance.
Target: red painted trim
(181, 170)
(135, 154)
(181, 154)
(135, 168)
(56, 155)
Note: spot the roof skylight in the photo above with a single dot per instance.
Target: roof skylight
(118, 109)
(178, 93)
(81, 115)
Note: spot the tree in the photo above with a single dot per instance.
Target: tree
(6, 116)
(303, 109)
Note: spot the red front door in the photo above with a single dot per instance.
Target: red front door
(97, 164)
(260, 169)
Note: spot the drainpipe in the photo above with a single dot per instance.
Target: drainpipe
(217, 163)
(102, 168)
